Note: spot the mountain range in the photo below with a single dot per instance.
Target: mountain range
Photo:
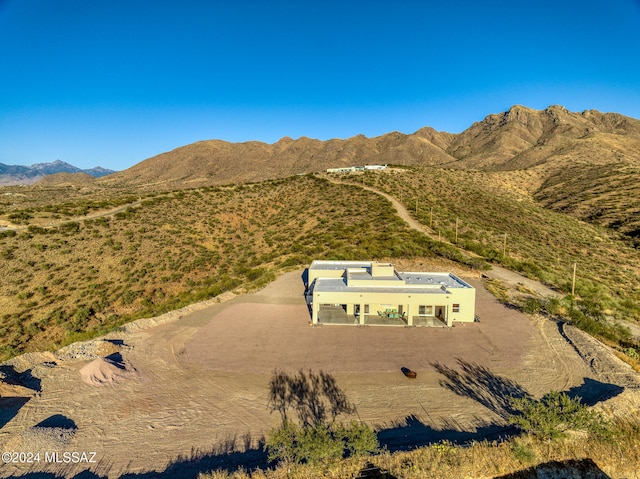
(586, 164)
(26, 175)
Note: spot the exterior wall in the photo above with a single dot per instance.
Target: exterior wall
(466, 298)
(379, 286)
(380, 301)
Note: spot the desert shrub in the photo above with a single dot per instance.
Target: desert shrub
(359, 439)
(523, 452)
(20, 217)
(531, 306)
(71, 227)
(321, 443)
(553, 306)
(555, 413)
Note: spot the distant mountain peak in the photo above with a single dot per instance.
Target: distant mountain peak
(27, 175)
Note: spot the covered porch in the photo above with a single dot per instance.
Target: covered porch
(349, 314)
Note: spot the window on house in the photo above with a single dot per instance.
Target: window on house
(366, 309)
(455, 308)
(425, 310)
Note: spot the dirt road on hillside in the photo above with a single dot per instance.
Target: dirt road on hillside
(496, 272)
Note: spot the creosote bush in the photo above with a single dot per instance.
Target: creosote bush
(554, 414)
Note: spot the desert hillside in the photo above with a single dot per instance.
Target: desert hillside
(585, 164)
(158, 263)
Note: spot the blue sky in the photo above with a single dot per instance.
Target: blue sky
(113, 82)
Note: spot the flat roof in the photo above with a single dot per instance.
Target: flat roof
(449, 280)
(361, 271)
(338, 285)
(335, 265)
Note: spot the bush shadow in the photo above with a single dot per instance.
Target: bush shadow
(480, 384)
(229, 456)
(312, 397)
(591, 392)
(412, 433)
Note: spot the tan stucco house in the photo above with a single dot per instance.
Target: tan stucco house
(373, 293)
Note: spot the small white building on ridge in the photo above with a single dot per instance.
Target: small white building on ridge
(373, 293)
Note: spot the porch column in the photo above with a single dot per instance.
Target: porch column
(361, 318)
(409, 316)
(315, 308)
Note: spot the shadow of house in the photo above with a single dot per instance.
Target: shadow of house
(412, 433)
(591, 392)
(9, 407)
(569, 469)
(480, 384)
(9, 375)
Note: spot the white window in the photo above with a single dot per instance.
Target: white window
(366, 309)
(424, 310)
(455, 308)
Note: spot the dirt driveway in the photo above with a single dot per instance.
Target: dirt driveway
(199, 396)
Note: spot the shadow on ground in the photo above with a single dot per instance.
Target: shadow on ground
(412, 433)
(9, 407)
(495, 392)
(591, 392)
(369, 471)
(233, 454)
(480, 384)
(58, 420)
(570, 469)
(9, 375)
(314, 398)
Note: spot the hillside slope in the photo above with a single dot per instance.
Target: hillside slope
(585, 164)
(219, 162)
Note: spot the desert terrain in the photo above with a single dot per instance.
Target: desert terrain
(188, 391)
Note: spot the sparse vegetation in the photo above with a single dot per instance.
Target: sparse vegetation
(540, 243)
(554, 414)
(180, 247)
(616, 455)
(309, 405)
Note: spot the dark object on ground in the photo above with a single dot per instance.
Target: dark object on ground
(409, 373)
(369, 471)
(569, 469)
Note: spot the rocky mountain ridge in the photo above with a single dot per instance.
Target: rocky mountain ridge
(27, 175)
(582, 163)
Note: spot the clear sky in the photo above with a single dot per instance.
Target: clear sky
(113, 82)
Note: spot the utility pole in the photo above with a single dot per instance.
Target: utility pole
(504, 246)
(573, 283)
